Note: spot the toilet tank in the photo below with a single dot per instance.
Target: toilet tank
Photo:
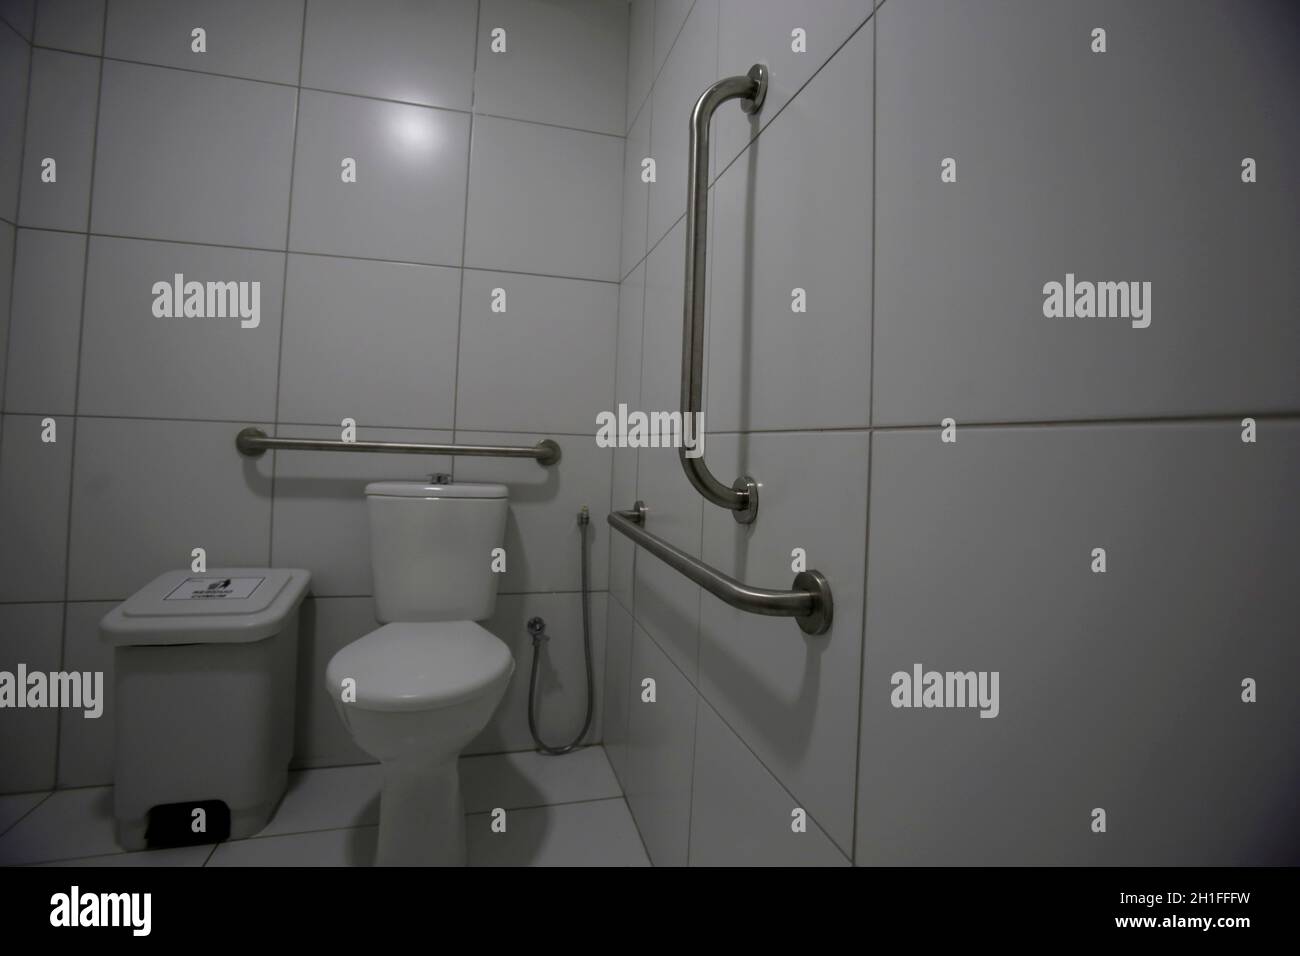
(431, 549)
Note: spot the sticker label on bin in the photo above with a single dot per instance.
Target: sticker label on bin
(211, 589)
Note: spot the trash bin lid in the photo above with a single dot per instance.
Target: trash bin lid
(218, 606)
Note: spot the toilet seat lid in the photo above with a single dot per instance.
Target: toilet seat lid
(421, 665)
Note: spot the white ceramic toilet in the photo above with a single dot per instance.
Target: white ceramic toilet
(428, 680)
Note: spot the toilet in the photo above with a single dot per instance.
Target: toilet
(416, 691)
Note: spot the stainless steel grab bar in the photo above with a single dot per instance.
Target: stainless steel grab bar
(253, 442)
(809, 603)
(742, 497)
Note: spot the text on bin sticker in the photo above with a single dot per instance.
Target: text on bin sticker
(208, 589)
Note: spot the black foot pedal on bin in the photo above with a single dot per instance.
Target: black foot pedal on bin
(187, 824)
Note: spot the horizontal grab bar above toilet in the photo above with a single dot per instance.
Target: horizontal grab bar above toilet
(809, 603)
(253, 442)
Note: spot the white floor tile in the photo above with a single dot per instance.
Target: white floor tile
(352, 847)
(15, 806)
(564, 811)
(326, 799)
(69, 824)
(598, 833)
(177, 856)
(531, 779)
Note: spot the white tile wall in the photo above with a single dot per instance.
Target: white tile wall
(132, 520)
(668, 604)
(217, 170)
(45, 321)
(7, 237)
(1032, 202)
(256, 39)
(544, 200)
(60, 126)
(542, 542)
(86, 743)
(29, 633)
(546, 363)
(15, 56)
(416, 51)
(688, 69)
(391, 325)
(636, 194)
(760, 31)
(1119, 690)
(589, 37)
(774, 232)
(669, 16)
(19, 15)
(627, 391)
(408, 201)
(133, 364)
(640, 55)
(34, 477)
(74, 25)
(216, 165)
(660, 753)
(740, 813)
(792, 697)
(616, 681)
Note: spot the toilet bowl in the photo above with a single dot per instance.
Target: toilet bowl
(417, 690)
(423, 691)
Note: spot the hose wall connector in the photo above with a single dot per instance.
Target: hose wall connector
(537, 629)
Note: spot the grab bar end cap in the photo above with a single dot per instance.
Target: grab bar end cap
(244, 441)
(819, 619)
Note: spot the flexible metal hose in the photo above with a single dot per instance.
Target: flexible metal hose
(537, 629)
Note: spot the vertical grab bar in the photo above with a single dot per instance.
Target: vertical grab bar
(742, 497)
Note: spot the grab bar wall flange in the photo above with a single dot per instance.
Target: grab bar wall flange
(253, 443)
(809, 603)
(741, 498)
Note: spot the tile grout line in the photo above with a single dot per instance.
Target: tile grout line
(13, 253)
(284, 288)
(19, 33)
(319, 597)
(1283, 417)
(710, 208)
(319, 89)
(76, 393)
(772, 773)
(464, 233)
(871, 458)
(32, 809)
(304, 252)
(262, 837)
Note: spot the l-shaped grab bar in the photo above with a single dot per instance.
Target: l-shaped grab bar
(809, 603)
(751, 89)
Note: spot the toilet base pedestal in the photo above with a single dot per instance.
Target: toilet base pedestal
(421, 819)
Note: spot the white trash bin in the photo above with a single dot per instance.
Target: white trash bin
(205, 669)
